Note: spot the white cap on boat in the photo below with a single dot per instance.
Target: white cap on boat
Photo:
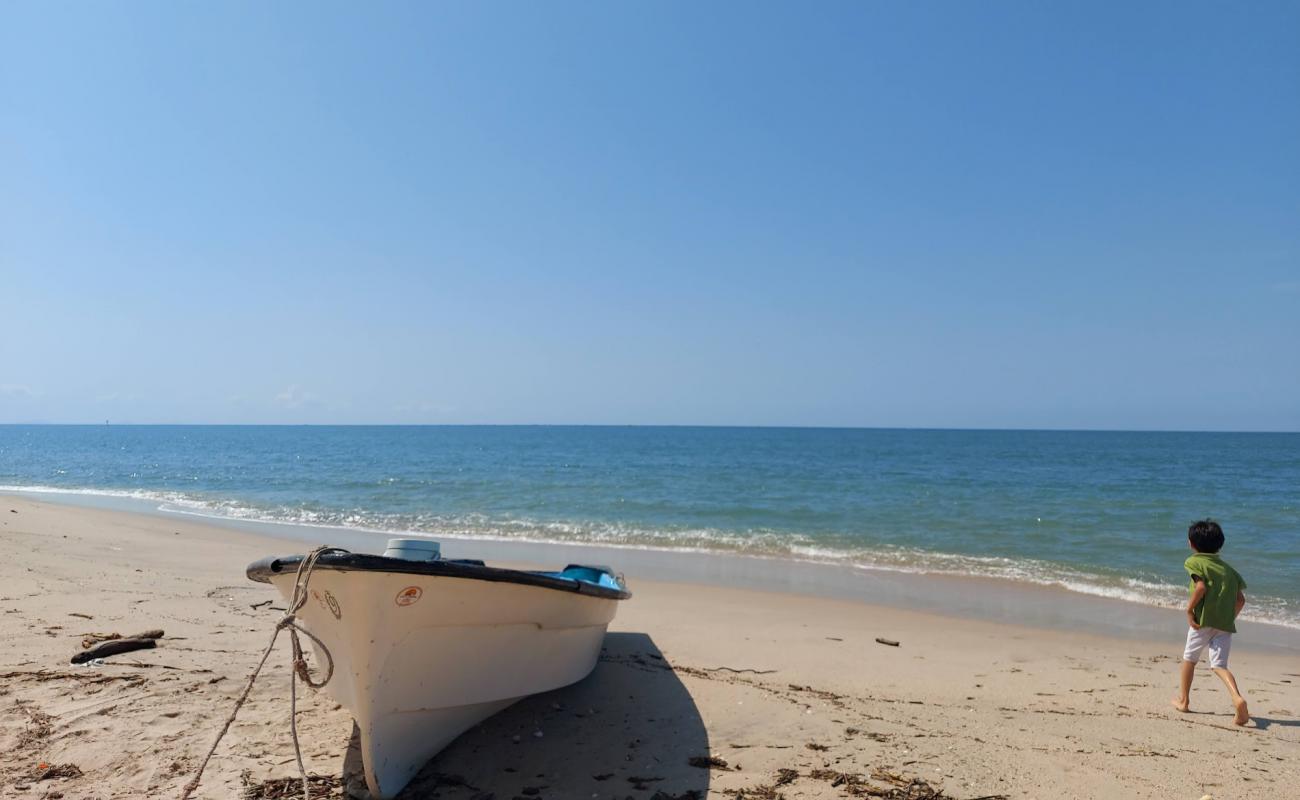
(413, 549)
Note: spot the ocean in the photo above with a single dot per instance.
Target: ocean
(1104, 513)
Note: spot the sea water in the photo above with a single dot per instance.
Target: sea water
(1103, 513)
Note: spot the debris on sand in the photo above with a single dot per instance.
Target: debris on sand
(92, 639)
(764, 792)
(38, 726)
(323, 787)
(641, 784)
(889, 642)
(708, 762)
(898, 787)
(48, 772)
(851, 782)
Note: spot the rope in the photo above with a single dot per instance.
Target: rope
(299, 669)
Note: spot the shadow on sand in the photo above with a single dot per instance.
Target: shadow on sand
(1264, 723)
(628, 728)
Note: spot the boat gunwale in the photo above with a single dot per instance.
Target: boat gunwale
(263, 570)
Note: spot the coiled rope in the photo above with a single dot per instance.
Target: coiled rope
(290, 622)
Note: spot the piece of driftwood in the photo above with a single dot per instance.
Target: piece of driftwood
(889, 642)
(112, 648)
(91, 639)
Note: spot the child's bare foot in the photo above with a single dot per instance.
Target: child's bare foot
(1182, 705)
(1243, 713)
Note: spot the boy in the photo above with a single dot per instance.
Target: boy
(1217, 599)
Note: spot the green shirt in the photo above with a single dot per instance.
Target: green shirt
(1218, 609)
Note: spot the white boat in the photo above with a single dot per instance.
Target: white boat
(425, 649)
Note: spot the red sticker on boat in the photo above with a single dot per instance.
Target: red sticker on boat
(409, 596)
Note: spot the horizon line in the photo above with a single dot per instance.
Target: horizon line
(990, 429)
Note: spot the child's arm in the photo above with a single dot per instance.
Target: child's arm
(1241, 603)
(1198, 594)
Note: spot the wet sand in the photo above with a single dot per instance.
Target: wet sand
(789, 689)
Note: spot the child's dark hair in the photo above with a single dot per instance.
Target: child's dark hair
(1206, 536)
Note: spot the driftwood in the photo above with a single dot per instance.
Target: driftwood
(889, 642)
(112, 647)
(90, 639)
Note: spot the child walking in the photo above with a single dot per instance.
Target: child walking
(1217, 596)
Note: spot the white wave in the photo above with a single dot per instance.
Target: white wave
(754, 543)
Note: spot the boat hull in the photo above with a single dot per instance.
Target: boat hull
(419, 659)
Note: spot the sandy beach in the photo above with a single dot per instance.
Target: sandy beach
(790, 694)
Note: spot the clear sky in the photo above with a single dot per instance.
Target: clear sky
(1062, 215)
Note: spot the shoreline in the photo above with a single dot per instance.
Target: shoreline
(978, 597)
(781, 686)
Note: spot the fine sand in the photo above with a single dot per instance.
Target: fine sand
(792, 692)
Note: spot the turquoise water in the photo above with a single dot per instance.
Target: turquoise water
(1102, 513)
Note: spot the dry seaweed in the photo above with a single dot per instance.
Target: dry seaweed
(40, 676)
(38, 727)
(763, 792)
(322, 786)
(708, 762)
(47, 772)
(899, 787)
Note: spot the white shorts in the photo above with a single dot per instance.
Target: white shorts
(1219, 643)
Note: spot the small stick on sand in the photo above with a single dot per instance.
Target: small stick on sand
(889, 642)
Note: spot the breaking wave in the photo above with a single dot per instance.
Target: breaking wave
(759, 543)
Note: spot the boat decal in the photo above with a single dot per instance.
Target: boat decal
(333, 605)
(409, 596)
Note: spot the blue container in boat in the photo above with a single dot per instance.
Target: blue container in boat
(414, 549)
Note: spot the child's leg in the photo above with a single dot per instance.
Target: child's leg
(1186, 671)
(1238, 702)
(1197, 640)
(1219, 647)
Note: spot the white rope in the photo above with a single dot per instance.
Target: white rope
(298, 669)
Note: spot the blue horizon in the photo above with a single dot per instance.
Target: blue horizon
(688, 426)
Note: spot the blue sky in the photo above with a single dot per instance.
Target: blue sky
(877, 214)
